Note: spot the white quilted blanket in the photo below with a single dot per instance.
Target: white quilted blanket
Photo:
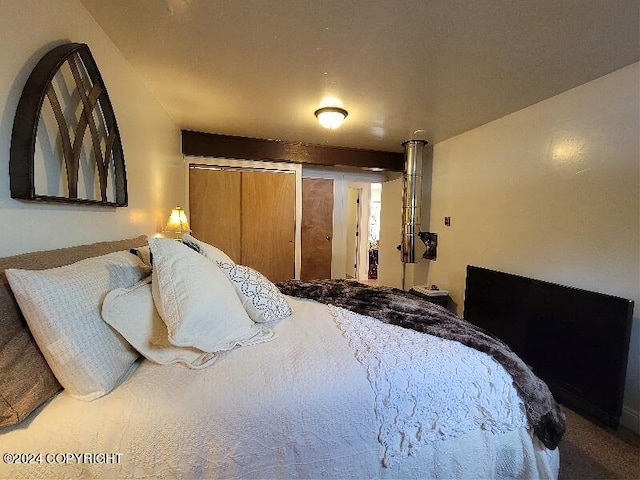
(317, 402)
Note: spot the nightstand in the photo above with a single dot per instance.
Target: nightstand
(440, 298)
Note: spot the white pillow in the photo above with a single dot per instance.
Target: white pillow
(132, 313)
(212, 253)
(62, 308)
(260, 298)
(197, 302)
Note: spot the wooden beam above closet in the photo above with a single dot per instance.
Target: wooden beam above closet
(228, 146)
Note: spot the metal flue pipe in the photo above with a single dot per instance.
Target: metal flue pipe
(411, 198)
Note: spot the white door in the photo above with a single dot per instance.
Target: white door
(389, 261)
(353, 232)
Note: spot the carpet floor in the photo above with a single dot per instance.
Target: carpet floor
(588, 451)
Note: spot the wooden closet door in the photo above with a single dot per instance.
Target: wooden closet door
(268, 223)
(215, 208)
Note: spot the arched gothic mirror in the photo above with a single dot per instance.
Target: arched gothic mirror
(65, 144)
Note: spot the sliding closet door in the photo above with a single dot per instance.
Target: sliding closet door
(268, 223)
(215, 205)
(248, 214)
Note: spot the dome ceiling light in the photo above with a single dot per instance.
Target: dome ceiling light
(331, 117)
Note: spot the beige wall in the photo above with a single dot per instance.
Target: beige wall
(550, 192)
(151, 140)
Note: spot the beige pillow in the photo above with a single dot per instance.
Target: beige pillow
(197, 302)
(132, 313)
(62, 308)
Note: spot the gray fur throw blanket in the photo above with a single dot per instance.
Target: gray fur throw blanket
(397, 307)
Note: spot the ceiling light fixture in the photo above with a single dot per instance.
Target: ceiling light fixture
(331, 117)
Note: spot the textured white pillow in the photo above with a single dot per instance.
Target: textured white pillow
(197, 302)
(212, 253)
(62, 308)
(260, 298)
(132, 313)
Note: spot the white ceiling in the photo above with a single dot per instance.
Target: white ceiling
(260, 68)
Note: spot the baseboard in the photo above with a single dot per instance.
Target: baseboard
(631, 419)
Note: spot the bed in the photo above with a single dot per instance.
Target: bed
(307, 389)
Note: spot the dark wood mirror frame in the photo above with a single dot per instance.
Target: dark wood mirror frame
(92, 94)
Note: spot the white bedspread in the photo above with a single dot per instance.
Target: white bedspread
(299, 406)
(428, 389)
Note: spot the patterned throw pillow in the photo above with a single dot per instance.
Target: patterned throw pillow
(261, 299)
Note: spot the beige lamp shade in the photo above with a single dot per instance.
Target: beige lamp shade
(178, 222)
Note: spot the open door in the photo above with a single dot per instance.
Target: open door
(353, 233)
(389, 261)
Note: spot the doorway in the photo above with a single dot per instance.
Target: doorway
(374, 232)
(349, 251)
